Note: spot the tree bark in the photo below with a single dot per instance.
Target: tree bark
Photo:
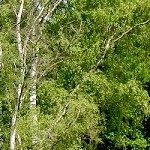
(1, 54)
(33, 100)
(44, 12)
(21, 78)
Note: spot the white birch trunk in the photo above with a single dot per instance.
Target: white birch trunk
(1, 53)
(33, 83)
(33, 100)
(33, 73)
(21, 79)
(13, 131)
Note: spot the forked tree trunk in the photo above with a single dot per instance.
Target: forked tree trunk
(43, 12)
(20, 81)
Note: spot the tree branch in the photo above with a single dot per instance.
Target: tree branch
(40, 19)
(62, 113)
(48, 67)
(18, 32)
(50, 11)
(131, 28)
(107, 46)
(74, 120)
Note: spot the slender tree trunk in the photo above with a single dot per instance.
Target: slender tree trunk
(13, 130)
(33, 100)
(1, 53)
(39, 18)
(21, 78)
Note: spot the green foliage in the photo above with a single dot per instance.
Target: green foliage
(81, 106)
(81, 115)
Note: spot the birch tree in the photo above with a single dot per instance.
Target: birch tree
(21, 79)
(75, 74)
(41, 12)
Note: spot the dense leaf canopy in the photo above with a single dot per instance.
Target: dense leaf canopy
(93, 75)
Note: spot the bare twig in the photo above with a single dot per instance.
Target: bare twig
(13, 7)
(62, 113)
(19, 141)
(131, 28)
(49, 67)
(107, 46)
(60, 116)
(51, 10)
(142, 23)
(73, 122)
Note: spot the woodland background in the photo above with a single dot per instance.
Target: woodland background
(75, 74)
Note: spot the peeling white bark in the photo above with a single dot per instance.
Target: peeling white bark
(33, 77)
(21, 80)
(1, 53)
(13, 132)
(33, 100)
(43, 13)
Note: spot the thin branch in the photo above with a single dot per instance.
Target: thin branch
(19, 141)
(13, 8)
(131, 28)
(51, 66)
(60, 116)
(73, 122)
(33, 24)
(63, 112)
(123, 34)
(32, 27)
(142, 23)
(50, 11)
(76, 31)
(107, 46)
(38, 20)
